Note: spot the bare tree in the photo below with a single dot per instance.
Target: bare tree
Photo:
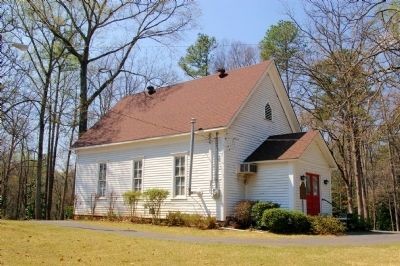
(342, 72)
(235, 54)
(82, 26)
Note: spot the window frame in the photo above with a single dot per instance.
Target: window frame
(134, 161)
(175, 176)
(99, 181)
(269, 117)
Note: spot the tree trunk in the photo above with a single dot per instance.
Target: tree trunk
(71, 139)
(48, 162)
(38, 197)
(21, 191)
(73, 185)
(53, 166)
(373, 204)
(53, 146)
(50, 175)
(4, 196)
(361, 177)
(27, 172)
(394, 187)
(83, 100)
(354, 168)
(390, 214)
(349, 195)
(346, 177)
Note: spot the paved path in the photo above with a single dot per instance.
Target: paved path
(352, 239)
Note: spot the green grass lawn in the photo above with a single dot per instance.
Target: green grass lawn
(24, 243)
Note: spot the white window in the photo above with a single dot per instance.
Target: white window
(137, 175)
(268, 112)
(101, 188)
(179, 176)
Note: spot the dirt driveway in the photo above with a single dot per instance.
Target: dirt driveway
(372, 238)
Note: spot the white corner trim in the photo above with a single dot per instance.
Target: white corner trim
(292, 189)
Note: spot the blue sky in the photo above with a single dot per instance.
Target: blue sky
(246, 21)
(229, 20)
(236, 21)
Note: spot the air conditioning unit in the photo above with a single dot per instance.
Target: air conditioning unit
(247, 168)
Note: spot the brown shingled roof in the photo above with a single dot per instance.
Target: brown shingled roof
(212, 100)
(283, 147)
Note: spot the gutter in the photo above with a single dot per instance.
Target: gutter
(143, 140)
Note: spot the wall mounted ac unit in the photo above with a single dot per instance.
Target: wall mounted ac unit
(247, 168)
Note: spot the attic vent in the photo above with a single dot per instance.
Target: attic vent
(222, 73)
(151, 90)
(268, 112)
(247, 168)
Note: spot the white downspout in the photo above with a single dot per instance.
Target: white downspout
(199, 193)
(216, 192)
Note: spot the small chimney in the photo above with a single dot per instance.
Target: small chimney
(222, 73)
(151, 90)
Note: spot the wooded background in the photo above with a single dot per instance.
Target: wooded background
(64, 64)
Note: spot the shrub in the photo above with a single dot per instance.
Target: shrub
(154, 199)
(111, 216)
(242, 213)
(211, 222)
(284, 221)
(199, 221)
(328, 225)
(191, 220)
(258, 209)
(68, 212)
(131, 199)
(175, 219)
(358, 224)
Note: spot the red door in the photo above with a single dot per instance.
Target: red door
(312, 197)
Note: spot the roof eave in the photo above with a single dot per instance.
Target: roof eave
(275, 160)
(107, 145)
(325, 150)
(238, 111)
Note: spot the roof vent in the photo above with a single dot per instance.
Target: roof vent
(222, 73)
(151, 90)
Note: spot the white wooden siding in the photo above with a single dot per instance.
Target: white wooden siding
(157, 173)
(247, 132)
(312, 161)
(272, 183)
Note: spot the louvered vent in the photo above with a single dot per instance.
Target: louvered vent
(268, 112)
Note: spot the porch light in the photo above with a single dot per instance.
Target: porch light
(326, 181)
(302, 178)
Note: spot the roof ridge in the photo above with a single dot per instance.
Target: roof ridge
(172, 86)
